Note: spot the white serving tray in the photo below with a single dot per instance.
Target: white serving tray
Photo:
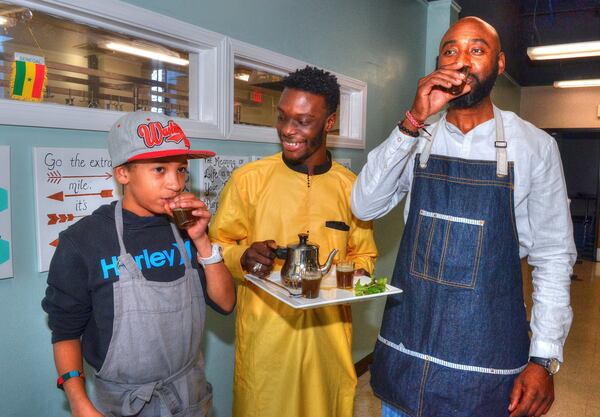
(328, 295)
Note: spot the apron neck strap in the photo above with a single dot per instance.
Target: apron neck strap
(181, 246)
(119, 226)
(424, 157)
(499, 144)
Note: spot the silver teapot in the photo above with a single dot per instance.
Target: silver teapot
(301, 257)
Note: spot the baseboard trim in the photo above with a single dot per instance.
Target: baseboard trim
(362, 366)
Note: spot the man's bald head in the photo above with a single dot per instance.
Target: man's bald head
(474, 28)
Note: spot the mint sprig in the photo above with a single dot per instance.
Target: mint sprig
(375, 286)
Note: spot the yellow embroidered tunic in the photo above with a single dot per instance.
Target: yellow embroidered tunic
(292, 363)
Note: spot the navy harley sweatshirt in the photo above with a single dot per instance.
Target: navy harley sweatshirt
(79, 297)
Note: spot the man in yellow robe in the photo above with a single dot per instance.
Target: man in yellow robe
(293, 363)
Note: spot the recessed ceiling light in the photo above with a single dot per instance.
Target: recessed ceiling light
(577, 83)
(564, 51)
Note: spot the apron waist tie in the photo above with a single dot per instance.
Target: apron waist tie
(136, 399)
(137, 396)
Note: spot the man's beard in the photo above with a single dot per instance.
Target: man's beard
(479, 91)
(312, 145)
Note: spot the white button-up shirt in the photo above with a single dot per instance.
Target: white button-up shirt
(541, 207)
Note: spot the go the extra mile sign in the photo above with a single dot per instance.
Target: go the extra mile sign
(70, 183)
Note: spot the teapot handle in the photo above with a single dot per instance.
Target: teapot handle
(281, 252)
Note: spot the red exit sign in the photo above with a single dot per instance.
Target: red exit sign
(256, 96)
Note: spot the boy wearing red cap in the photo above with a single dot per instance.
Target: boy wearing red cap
(125, 287)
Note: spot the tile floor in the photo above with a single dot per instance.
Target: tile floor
(577, 385)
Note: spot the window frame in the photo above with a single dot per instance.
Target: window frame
(211, 77)
(206, 52)
(353, 97)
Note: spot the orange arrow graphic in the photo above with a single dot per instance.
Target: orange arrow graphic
(61, 218)
(55, 176)
(60, 196)
(54, 243)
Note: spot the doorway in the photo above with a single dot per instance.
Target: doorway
(580, 154)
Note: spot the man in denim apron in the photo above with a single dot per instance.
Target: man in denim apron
(485, 189)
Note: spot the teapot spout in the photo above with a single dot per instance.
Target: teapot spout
(325, 268)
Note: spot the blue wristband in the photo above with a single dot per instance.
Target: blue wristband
(65, 377)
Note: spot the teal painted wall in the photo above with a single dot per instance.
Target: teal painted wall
(381, 42)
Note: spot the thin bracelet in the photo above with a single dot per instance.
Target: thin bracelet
(413, 133)
(413, 121)
(65, 377)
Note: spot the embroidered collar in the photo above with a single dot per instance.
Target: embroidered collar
(319, 169)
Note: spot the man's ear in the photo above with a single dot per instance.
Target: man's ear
(122, 174)
(330, 122)
(501, 62)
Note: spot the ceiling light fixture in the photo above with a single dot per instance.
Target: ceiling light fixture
(564, 51)
(242, 76)
(577, 83)
(3, 20)
(146, 53)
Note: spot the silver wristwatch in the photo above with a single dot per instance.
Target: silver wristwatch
(215, 256)
(551, 365)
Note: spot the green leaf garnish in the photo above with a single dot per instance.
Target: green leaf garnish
(375, 286)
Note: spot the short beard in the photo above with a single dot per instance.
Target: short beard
(318, 140)
(480, 90)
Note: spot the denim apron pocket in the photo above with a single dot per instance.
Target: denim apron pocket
(444, 247)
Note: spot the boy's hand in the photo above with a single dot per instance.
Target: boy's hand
(201, 213)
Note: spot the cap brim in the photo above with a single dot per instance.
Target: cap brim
(190, 154)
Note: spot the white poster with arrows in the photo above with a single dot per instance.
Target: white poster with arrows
(70, 184)
(6, 269)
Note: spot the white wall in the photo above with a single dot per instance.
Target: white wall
(549, 107)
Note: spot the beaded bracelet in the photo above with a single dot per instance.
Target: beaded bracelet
(413, 121)
(413, 133)
(65, 377)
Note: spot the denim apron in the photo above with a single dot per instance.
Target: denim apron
(452, 344)
(154, 366)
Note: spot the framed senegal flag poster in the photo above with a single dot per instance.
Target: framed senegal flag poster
(28, 77)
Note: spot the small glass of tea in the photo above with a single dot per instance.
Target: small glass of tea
(344, 274)
(183, 217)
(457, 89)
(311, 283)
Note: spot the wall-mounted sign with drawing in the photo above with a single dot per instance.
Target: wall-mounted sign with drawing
(214, 173)
(6, 270)
(69, 184)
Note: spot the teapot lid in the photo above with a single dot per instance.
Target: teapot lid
(303, 243)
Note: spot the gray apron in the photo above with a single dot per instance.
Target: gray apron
(154, 366)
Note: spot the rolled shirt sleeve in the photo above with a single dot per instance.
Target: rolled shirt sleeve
(552, 255)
